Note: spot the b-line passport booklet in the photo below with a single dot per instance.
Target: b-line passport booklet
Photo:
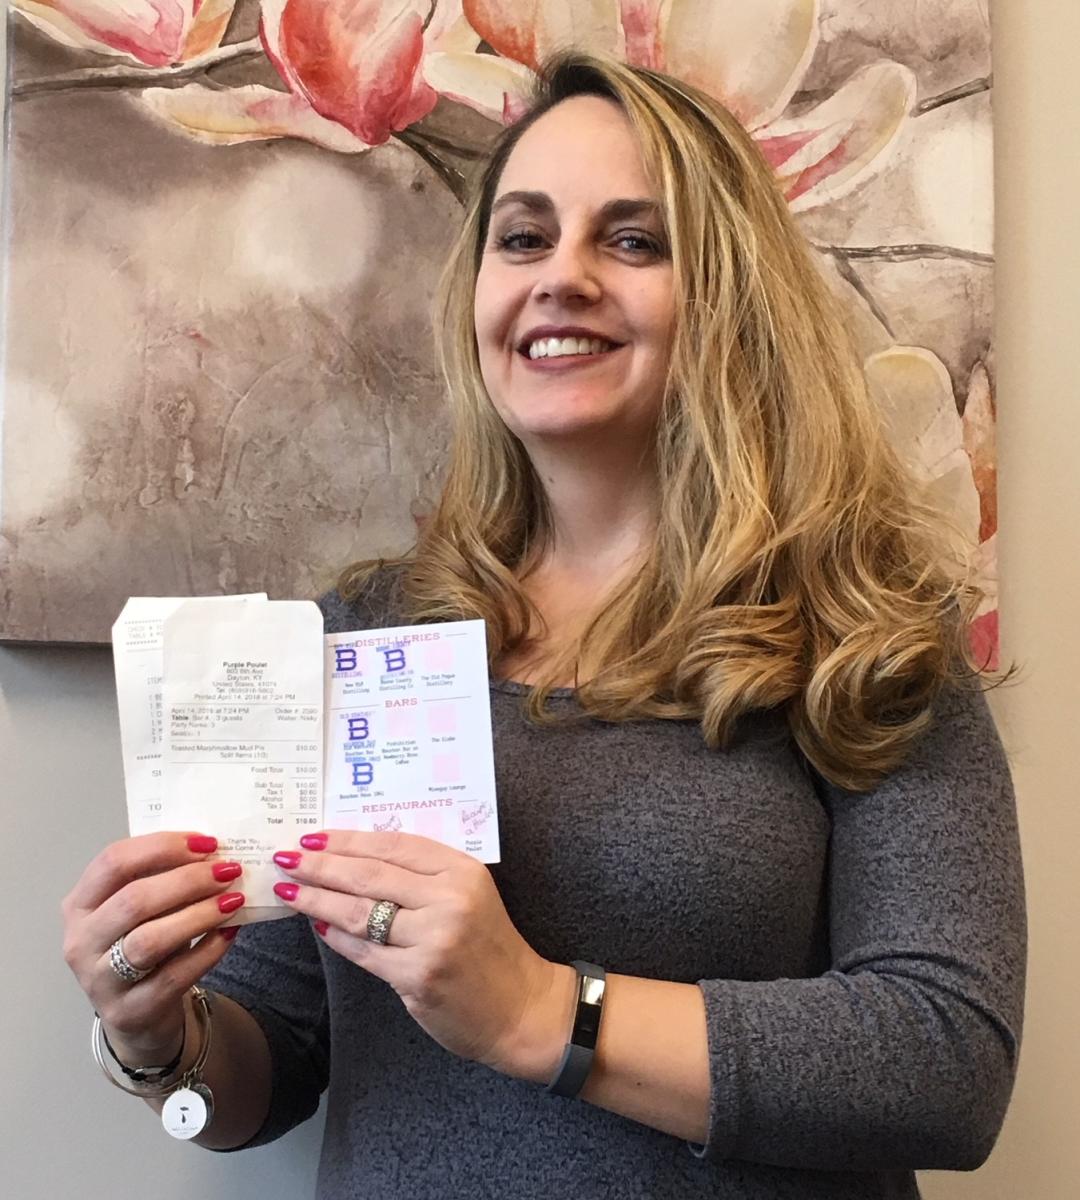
(239, 718)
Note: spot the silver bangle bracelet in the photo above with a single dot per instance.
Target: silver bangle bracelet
(201, 1003)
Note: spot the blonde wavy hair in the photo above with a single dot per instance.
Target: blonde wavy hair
(793, 564)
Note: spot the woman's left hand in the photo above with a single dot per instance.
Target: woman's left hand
(463, 971)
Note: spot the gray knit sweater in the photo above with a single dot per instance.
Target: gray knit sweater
(861, 956)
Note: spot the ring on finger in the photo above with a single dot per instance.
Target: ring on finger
(123, 966)
(380, 919)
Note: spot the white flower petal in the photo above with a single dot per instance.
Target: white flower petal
(497, 87)
(823, 154)
(915, 395)
(245, 114)
(750, 56)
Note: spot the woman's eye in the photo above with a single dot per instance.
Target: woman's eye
(644, 243)
(523, 239)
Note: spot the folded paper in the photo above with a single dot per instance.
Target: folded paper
(408, 734)
(240, 719)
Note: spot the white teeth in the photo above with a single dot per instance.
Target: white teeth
(556, 347)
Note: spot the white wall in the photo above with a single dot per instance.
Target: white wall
(65, 1133)
(1037, 116)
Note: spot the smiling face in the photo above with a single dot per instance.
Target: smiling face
(575, 249)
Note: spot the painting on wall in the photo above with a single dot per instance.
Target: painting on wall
(225, 220)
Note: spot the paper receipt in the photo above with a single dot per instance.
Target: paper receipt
(242, 723)
(139, 665)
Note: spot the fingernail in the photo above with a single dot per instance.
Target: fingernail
(287, 891)
(320, 927)
(287, 859)
(231, 901)
(229, 933)
(225, 871)
(200, 844)
(313, 841)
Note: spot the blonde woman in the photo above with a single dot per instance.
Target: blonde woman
(743, 762)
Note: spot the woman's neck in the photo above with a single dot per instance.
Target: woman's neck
(603, 510)
(603, 504)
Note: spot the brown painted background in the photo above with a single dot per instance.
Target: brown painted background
(218, 371)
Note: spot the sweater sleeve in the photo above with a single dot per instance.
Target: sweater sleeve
(903, 1054)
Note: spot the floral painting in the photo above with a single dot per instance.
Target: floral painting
(224, 222)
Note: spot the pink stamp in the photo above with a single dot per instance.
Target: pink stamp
(400, 722)
(446, 768)
(442, 717)
(439, 656)
(475, 817)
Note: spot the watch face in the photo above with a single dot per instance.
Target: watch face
(592, 989)
(591, 985)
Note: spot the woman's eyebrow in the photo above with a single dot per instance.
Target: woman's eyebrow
(614, 210)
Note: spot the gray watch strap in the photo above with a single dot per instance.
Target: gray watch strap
(577, 1058)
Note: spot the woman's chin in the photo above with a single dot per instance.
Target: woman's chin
(567, 418)
(565, 427)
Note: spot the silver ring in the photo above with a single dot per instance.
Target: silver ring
(380, 920)
(122, 965)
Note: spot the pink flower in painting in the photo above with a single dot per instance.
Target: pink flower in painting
(156, 33)
(354, 63)
(752, 57)
(351, 67)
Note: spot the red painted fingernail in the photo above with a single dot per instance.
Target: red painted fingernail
(200, 844)
(231, 901)
(287, 859)
(321, 927)
(287, 891)
(230, 933)
(225, 871)
(313, 841)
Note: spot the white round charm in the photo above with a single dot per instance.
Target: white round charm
(188, 1111)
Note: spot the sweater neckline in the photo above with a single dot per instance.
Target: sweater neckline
(514, 688)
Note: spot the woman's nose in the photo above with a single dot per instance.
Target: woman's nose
(569, 274)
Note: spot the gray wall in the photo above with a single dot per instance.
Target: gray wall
(65, 1133)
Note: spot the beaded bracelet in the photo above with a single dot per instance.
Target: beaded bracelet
(148, 1076)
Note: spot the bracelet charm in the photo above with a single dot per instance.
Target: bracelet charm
(188, 1110)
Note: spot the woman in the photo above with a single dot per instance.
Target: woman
(737, 759)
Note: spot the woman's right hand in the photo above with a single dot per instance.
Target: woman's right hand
(158, 892)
